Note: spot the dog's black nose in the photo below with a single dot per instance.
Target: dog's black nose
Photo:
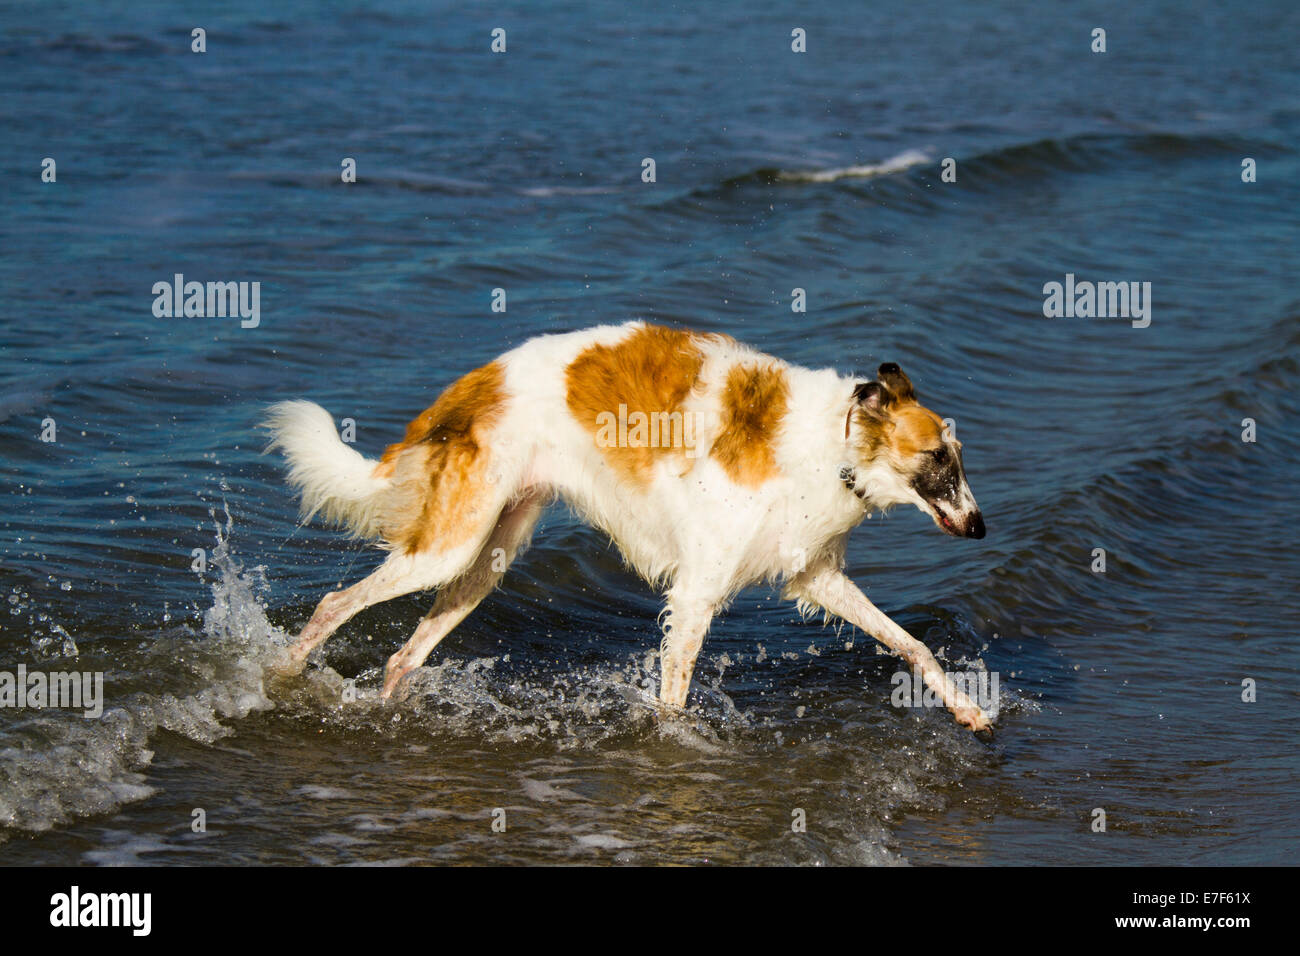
(975, 527)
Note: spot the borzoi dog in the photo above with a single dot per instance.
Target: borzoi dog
(712, 466)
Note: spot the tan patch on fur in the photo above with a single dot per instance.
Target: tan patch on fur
(914, 429)
(909, 428)
(754, 403)
(651, 371)
(439, 470)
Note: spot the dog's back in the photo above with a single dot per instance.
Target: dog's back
(666, 439)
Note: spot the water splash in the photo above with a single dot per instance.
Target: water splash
(56, 765)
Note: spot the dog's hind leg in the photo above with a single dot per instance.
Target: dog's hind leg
(400, 574)
(434, 500)
(461, 596)
(684, 630)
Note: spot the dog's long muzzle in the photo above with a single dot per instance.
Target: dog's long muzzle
(968, 524)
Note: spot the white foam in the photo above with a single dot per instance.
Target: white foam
(896, 164)
(314, 792)
(601, 841)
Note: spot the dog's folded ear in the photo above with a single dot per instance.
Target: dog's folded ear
(874, 398)
(893, 378)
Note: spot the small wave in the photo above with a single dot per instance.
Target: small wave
(770, 174)
(1093, 151)
(1086, 151)
(896, 164)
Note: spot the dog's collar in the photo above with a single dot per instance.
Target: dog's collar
(850, 478)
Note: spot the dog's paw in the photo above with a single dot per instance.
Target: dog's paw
(974, 718)
(286, 664)
(396, 687)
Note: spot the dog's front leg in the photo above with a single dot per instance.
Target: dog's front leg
(687, 623)
(835, 592)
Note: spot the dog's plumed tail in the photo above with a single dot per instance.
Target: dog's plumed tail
(334, 480)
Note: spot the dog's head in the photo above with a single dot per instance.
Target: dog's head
(905, 454)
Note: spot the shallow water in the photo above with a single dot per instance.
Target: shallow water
(1119, 691)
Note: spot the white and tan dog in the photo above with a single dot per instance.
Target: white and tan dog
(711, 466)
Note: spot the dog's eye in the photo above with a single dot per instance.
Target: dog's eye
(940, 454)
